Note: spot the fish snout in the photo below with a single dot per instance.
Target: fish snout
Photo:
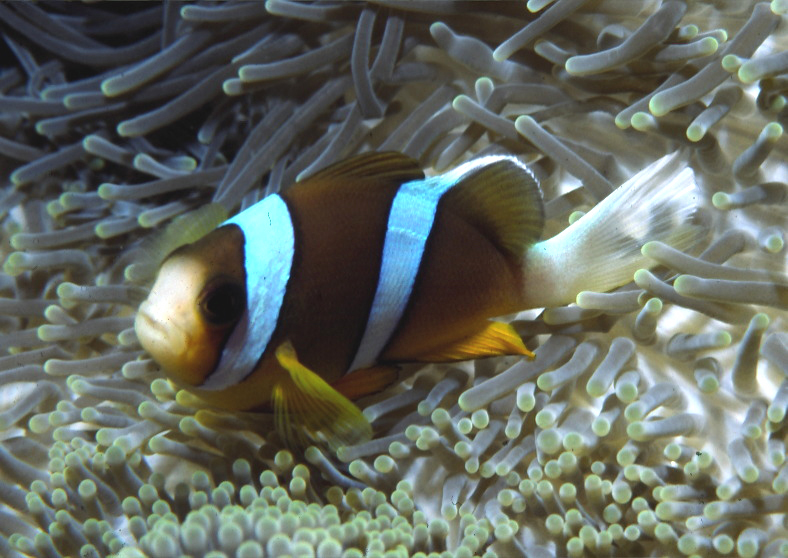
(161, 337)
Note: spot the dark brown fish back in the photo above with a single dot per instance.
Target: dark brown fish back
(340, 223)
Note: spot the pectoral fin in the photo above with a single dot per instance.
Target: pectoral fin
(305, 404)
(495, 339)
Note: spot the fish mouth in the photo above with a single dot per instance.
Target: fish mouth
(158, 337)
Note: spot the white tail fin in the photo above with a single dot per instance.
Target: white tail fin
(601, 250)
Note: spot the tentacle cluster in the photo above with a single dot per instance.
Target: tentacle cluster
(652, 421)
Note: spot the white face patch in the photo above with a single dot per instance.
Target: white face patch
(410, 222)
(269, 247)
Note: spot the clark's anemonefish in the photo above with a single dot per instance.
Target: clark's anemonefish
(307, 299)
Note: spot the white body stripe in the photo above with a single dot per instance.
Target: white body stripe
(410, 222)
(269, 246)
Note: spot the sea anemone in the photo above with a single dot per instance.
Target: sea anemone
(652, 421)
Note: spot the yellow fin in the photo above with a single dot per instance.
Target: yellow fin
(386, 165)
(502, 200)
(305, 403)
(365, 381)
(495, 339)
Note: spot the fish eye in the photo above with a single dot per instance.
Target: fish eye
(223, 304)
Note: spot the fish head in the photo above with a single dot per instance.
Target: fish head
(197, 299)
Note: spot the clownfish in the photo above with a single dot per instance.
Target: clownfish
(309, 298)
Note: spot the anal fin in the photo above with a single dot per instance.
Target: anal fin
(305, 404)
(365, 381)
(495, 339)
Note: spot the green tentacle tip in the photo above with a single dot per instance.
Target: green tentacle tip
(109, 86)
(574, 65)
(772, 132)
(643, 121)
(773, 243)
(641, 276)
(14, 264)
(708, 45)
(760, 321)
(622, 121)
(709, 384)
(721, 201)
(659, 104)
(731, 63)
(695, 132)
(653, 306)
(722, 339)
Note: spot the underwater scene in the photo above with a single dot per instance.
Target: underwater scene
(625, 394)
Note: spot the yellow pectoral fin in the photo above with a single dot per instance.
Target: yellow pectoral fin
(496, 339)
(305, 403)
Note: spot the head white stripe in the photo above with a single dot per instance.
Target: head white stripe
(269, 246)
(410, 222)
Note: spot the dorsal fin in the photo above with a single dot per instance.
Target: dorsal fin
(503, 200)
(387, 166)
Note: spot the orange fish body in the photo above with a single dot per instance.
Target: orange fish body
(306, 299)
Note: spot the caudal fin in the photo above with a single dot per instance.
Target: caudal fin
(601, 250)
